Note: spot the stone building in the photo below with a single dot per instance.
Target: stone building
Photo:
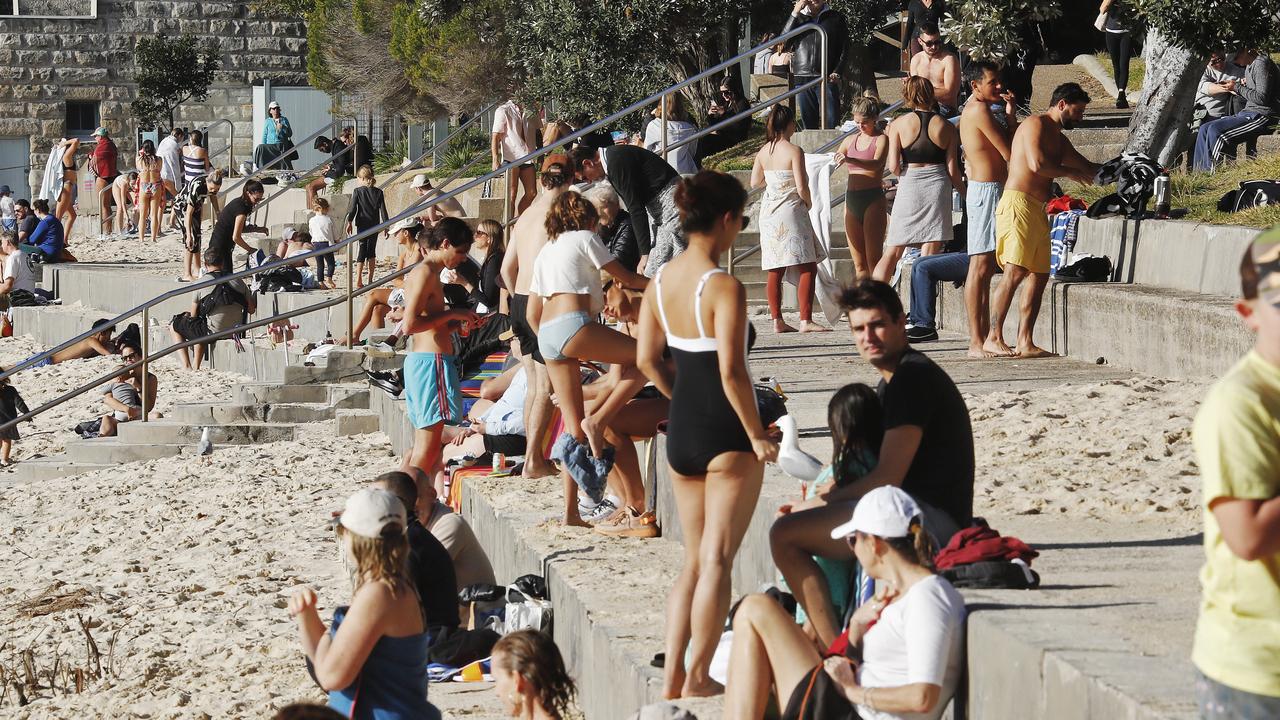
(66, 67)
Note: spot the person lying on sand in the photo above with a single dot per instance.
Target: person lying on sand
(100, 343)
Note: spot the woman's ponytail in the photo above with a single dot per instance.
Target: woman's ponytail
(923, 544)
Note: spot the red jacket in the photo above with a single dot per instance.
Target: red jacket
(102, 159)
(979, 543)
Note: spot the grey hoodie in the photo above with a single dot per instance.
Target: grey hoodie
(1261, 84)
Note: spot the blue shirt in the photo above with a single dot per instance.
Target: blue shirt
(392, 685)
(269, 134)
(48, 236)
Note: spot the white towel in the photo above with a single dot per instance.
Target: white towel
(52, 183)
(827, 288)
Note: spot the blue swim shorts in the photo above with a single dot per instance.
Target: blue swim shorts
(432, 389)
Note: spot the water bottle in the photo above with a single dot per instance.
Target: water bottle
(1162, 196)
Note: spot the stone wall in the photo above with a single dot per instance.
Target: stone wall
(45, 62)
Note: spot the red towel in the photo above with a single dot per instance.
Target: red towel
(979, 543)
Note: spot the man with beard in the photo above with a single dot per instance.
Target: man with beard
(1041, 153)
(941, 66)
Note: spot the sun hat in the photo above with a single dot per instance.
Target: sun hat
(273, 105)
(1266, 259)
(420, 180)
(370, 510)
(100, 132)
(408, 223)
(885, 512)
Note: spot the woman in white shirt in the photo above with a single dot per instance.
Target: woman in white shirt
(905, 646)
(683, 159)
(565, 297)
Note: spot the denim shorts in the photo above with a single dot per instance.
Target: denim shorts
(1223, 702)
(554, 334)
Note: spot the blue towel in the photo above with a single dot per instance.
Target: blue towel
(591, 473)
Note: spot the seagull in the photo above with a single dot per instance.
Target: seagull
(205, 446)
(794, 461)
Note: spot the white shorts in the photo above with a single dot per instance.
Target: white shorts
(396, 299)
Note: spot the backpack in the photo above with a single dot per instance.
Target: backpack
(1251, 194)
(219, 296)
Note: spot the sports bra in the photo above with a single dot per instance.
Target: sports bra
(866, 153)
(924, 150)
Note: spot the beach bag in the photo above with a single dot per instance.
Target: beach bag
(1251, 194)
(771, 403)
(525, 612)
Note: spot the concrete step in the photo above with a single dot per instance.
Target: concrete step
(354, 395)
(753, 273)
(114, 451)
(171, 432)
(49, 468)
(221, 414)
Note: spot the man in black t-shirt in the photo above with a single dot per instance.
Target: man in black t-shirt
(429, 563)
(927, 451)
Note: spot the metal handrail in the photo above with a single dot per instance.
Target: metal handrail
(793, 32)
(231, 141)
(436, 147)
(744, 114)
(347, 244)
(115, 372)
(280, 158)
(825, 147)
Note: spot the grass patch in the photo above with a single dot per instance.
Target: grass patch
(1137, 70)
(1199, 193)
(741, 156)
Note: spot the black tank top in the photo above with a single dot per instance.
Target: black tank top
(924, 149)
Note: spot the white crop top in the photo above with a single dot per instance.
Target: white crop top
(571, 264)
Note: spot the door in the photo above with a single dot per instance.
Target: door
(307, 110)
(15, 159)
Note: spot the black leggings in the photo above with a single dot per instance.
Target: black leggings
(1119, 47)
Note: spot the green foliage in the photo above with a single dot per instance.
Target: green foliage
(991, 29)
(390, 157)
(320, 17)
(170, 71)
(1203, 26)
(297, 9)
(462, 148)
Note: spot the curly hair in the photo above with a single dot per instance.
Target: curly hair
(534, 656)
(570, 211)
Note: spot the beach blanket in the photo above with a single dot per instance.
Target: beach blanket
(1063, 228)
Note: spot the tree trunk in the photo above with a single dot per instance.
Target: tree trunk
(1159, 126)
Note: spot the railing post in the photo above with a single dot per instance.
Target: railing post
(822, 86)
(146, 352)
(351, 313)
(662, 115)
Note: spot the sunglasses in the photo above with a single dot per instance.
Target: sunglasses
(931, 43)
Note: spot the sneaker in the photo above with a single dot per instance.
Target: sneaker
(920, 333)
(597, 512)
(626, 522)
(386, 382)
(1122, 102)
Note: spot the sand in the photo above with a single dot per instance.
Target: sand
(51, 430)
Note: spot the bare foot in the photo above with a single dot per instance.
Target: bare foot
(978, 352)
(595, 436)
(997, 348)
(779, 326)
(674, 679)
(575, 521)
(532, 471)
(813, 327)
(1031, 351)
(706, 688)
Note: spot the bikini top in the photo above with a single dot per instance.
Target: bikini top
(924, 150)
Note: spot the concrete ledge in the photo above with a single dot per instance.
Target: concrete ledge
(1172, 254)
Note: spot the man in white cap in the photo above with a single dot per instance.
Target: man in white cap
(449, 207)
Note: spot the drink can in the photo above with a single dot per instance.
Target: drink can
(1162, 193)
(499, 461)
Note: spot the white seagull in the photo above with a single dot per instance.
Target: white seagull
(794, 461)
(205, 446)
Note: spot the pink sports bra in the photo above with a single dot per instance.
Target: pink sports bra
(866, 153)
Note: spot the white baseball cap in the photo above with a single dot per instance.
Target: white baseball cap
(288, 233)
(885, 512)
(408, 223)
(370, 510)
(273, 105)
(420, 180)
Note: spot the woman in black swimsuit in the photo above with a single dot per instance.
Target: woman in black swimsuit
(716, 444)
(66, 206)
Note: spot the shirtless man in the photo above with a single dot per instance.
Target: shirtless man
(432, 384)
(95, 345)
(942, 68)
(528, 236)
(1041, 153)
(445, 208)
(986, 144)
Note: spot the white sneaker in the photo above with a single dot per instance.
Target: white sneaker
(594, 513)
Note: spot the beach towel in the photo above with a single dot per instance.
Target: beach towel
(828, 286)
(458, 478)
(1063, 228)
(51, 185)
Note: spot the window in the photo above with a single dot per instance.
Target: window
(82, 117)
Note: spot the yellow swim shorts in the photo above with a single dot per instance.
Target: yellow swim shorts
(1022, 232)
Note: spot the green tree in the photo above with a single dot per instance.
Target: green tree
(170, 71)
(991, 29)
(1182, 34)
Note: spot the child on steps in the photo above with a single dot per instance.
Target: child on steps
(11, 406)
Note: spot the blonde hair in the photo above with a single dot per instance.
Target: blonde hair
(534, 656)
(867, 107)
(917, 91)
(365, 173)
(383, 559)
(674, 108)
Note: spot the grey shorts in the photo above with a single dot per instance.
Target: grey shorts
(1222, 702)
(554, 334)
(980, 206)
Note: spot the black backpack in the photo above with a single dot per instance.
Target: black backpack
(1252, 193)
(221, 295)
